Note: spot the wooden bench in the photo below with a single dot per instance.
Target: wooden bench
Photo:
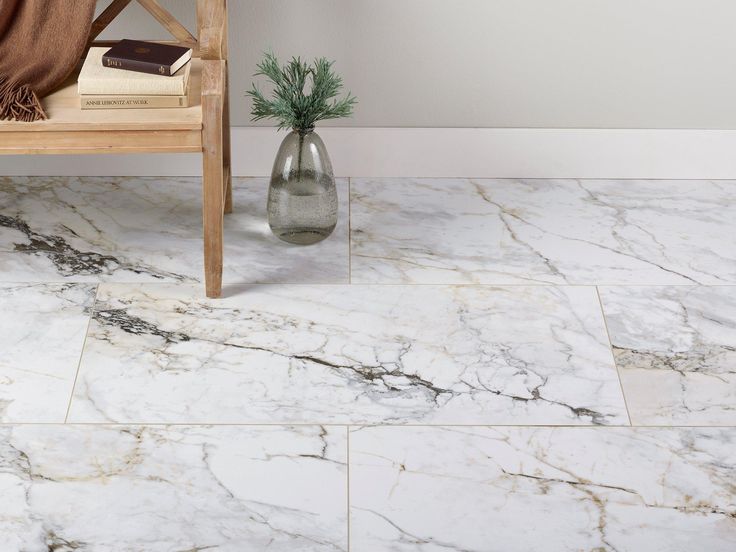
(203, 127)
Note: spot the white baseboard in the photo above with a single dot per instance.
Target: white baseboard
(439, 152)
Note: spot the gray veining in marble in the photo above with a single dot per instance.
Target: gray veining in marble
(675, 348)
(543, 231)
(42, 329)
(162, 489)
(125, 229)
(348, 354)
(478, 489)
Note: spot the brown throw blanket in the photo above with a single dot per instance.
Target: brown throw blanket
(41, 42)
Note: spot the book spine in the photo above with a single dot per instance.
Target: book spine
(139, 66)
(130, 87)
(133, 102)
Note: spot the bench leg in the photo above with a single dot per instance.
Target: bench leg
(213, 209)
(213, 178)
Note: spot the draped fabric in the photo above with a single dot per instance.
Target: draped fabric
(41, 42)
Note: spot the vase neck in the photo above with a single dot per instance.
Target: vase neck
(303, 131)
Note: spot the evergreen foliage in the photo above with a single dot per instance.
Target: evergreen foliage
(290, 105)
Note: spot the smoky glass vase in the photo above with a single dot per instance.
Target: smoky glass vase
(302, 198)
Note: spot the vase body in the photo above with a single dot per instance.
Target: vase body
(302, 198)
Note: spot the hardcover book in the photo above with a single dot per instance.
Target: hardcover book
(133, 102)
(147, 57)
(95, 79)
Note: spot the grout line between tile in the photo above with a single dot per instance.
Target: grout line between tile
(613, 357)
(348, 483)
(196, 178)
(506, 178)
(366, 425)
(81, 352)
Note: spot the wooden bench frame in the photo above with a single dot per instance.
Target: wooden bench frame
(204, 128)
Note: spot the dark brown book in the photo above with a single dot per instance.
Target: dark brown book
(147, 57)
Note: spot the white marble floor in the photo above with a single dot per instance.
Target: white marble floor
(465, 365)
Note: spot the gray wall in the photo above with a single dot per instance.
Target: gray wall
(497, 63)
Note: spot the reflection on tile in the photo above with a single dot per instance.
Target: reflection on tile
(676, 351)
(543, 231)
(149, 229)
(157, 489)
(42, 330)
(543, 489)
(348, 354)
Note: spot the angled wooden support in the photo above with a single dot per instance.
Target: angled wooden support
(213, 179)
(163, 16)
(106, 17)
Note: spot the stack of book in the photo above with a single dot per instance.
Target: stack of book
(135, 74)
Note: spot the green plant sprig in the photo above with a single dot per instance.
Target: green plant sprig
(290, 105)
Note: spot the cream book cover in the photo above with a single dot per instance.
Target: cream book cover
(95, 79)
(109, 101)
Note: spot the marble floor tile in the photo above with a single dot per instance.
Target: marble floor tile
(150, 230)
(42, 329)
(542, 489)
(675, 348)
(543, 231)
(129, 489)
(348, 354)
